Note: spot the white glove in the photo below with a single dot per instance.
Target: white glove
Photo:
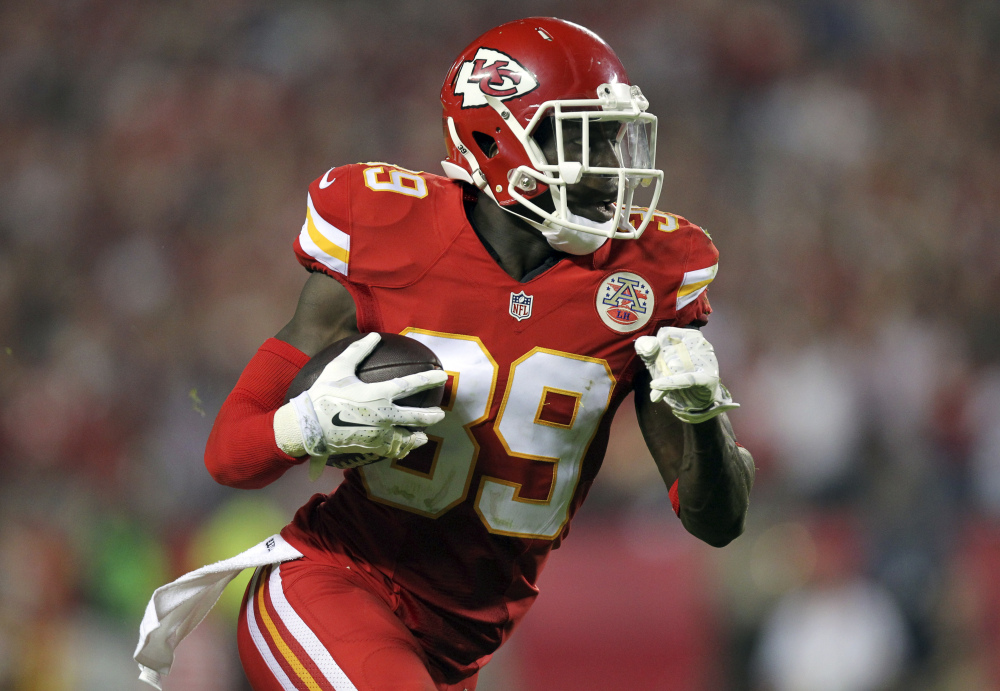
(341, 414)
(685, 373)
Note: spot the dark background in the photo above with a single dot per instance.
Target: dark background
(845, 156)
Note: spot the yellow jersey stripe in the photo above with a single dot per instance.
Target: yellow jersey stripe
(283, 648)
(320, 240)
(687, 290)
(694, 283)
(323, 241)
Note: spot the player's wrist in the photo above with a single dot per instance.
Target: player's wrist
(682, 408)
(287, 434)
(697, 416)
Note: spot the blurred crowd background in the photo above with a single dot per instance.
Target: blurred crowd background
(845, 156)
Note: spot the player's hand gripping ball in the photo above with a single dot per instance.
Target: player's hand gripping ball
(685, 373)
(365, 398)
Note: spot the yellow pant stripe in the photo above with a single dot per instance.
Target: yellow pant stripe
(286, 652)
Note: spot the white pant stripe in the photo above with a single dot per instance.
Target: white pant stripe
(305, 636)
(258, 638)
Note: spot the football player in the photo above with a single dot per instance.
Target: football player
(548, 297)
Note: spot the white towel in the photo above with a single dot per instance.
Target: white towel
(176, 608)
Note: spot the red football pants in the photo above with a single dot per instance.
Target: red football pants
(319, 627)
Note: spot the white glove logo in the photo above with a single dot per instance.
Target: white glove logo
(685, 373)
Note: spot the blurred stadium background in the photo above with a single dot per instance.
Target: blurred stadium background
(845, 155)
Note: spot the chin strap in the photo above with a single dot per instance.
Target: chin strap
(569, 240)
(565, 239)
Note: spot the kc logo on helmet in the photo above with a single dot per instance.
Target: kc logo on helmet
(494, 73)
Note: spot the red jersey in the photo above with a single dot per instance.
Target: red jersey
(463, 525)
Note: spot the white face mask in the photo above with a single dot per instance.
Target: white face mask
(635, 146)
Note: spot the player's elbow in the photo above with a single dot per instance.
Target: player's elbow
(724, 520)
(219, 469)
(719, 538)
(230, 475)
(226, 468)
(717, 533)
(216, 461)
(724, 537)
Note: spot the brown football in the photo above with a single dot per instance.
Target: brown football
(394, 356)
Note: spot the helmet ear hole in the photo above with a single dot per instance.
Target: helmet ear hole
(487, 144)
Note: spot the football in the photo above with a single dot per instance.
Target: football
(394, 356)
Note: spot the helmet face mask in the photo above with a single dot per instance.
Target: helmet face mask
(633, 145)
(565, 142)
(600, 135)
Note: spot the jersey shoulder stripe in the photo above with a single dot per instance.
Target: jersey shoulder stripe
(323, 241)
(680, 260)
(694, 284)
(377, 224)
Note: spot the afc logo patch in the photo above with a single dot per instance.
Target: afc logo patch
(520, 305)
(494, 73)
(625, 301)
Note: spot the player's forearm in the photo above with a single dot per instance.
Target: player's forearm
(714, 482)
(241, 450)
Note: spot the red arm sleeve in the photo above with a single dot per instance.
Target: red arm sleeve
(675, 497)
(241, 451)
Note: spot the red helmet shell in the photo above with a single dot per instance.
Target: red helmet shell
(523, 63)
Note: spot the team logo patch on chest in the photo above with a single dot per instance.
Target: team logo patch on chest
(520, 305)
(625, 301)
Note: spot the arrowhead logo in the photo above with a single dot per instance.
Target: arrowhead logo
(494, 73)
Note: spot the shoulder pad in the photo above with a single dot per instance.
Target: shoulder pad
(377, 224)
(685, 246)
(678, 256)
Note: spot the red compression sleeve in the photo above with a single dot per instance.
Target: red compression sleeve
(675, 497)
(241, 451)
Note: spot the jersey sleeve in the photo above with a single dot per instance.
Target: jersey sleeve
(378, 225)
(700, 268)
(683, 260)
(324, 243)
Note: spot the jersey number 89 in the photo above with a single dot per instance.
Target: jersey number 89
(520, 426)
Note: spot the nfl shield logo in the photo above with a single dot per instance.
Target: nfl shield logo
(520, 305)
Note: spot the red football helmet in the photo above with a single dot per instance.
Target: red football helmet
(506, 82)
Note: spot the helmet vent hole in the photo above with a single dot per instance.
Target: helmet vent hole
(486, 143)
